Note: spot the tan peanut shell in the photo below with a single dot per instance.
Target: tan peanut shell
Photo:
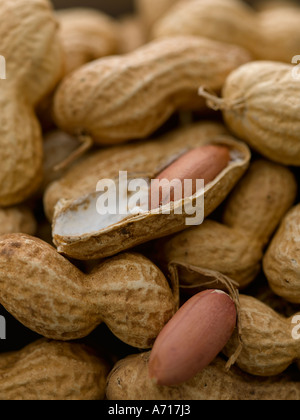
(147, 158)
(80, 232)
(151, 10)
(268, 344)
(126, 97)
(52, 370)
(19, 219)
(30, 45)
(235, 246)
(58, 146)
(86, 35)
(281, 261)
(129, 380)
(230, 21)
(132, 34)
(234, 22)
(261, 106)
(50, 296)
(280, 27)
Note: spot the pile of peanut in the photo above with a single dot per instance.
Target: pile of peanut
(143, 305)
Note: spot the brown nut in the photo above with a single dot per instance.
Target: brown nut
(50, 296)
(193, 338)
(51, 370)
(205, 162)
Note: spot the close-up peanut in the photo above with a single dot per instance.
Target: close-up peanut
(18, 219)
(252, 104)
(127, 97)
(68, 305)
(33, 57)
(281, 262)
(270, 35)
(52, 370)
(149, 202)
(235, 245)
(86, 35)
(269, 345)
(129, 380)
(203, 326)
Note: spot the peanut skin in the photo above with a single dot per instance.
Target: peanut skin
(49, 295)
(202, 326)
(205, 162)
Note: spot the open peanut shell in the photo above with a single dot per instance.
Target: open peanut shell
(80, 232)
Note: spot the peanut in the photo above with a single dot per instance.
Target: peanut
(202, 326)
(86, 35)
(128, 97)
(235, 247)
(30, 45)
(151, 10)
(129, 380)
(49, 370)
(149, 157)
(269, 347)
(253, 111)
(131, 34)
(281, 261)
(80, 233)
(234, 22)
(50, 296)
(18, 219)
(58, 146)
(205, 162)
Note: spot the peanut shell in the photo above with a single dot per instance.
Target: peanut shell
(50, 296)
(126, 97)
(30, 44)
(281, 261)
(50, 370)
(268, 346)
(81, 233)
(236, 246)
(129, 380)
